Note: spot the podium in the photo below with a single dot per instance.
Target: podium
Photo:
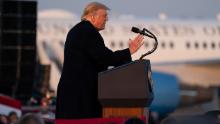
(125, 91)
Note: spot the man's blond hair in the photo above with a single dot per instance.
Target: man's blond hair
(93, 7)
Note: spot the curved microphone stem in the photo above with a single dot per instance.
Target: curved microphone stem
(151, 35)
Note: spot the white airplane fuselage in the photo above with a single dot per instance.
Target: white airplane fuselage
(189, 49)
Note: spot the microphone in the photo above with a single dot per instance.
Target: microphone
(149, 34)
(137, 30)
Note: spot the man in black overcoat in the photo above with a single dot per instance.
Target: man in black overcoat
(85, 55)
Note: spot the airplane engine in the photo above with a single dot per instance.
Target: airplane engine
(166, 93)
(170, 94)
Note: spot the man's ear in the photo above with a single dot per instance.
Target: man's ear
(93, 18)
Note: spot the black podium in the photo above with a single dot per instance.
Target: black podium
(126, 90)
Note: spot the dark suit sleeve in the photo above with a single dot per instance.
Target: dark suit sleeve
(104, 56)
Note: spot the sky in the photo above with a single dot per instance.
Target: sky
(207, 9)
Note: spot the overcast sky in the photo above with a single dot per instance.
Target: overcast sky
(143, 8)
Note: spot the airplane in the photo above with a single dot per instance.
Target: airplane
(185, 66)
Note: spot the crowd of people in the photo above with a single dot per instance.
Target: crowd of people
(11, 118)
(28, 118)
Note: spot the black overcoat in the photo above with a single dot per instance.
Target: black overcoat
(85, 55)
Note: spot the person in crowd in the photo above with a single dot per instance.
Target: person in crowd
(3, 119)
(31, 118)
(12, 117)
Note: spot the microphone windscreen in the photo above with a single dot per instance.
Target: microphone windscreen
(135, 30)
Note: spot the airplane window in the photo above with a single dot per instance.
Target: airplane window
(121, 44)
(171, 44)
(146, 44)
(188, 45)
(196, 45)
(163, 44)
(61, 43)
(112, 44)
(213, 45)
(204, 45)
